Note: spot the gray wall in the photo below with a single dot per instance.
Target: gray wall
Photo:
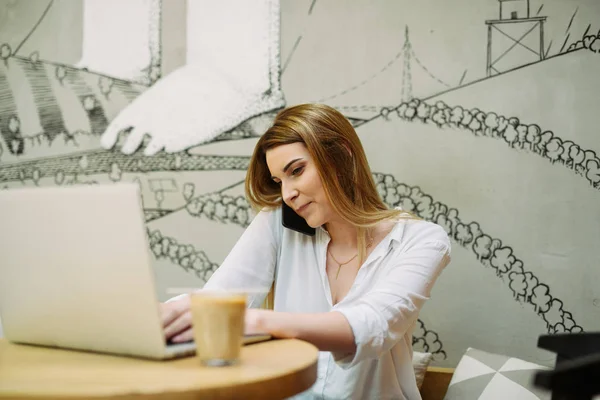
(507, 163)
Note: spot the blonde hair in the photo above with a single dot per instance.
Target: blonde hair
(339, 158)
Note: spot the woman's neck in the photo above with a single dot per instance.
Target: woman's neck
(343, 234)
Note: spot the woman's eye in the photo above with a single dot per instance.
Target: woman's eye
(297, 171)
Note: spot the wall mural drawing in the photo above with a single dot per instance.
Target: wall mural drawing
(177, 115)
(480, 119)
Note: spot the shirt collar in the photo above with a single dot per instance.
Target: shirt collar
(394, 236)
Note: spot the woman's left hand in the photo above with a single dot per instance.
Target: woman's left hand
(257, 320)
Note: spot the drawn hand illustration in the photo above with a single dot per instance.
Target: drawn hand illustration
(191, 106)
(228, 79)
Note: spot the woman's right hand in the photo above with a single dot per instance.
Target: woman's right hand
(177, 319)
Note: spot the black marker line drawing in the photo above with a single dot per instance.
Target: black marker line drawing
(57, 139)
(426, 340)
(44, 13)
(113, 162)
(95, 113)
(240, 217)
(513, 14)
(312, 5)
(160, 186)
(213, 208)
(116, 163)
(590, 42)
(529, 138)
(174, 114)
(489, 251)
(408, 55)
(186, 256)
(289, 57)
(567, 31)
(50, 89)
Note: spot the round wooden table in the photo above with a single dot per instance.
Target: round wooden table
(270, 370)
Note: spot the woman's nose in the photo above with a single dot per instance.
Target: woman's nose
(288, 192)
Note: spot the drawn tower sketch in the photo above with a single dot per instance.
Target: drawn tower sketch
(512, 17)
(407, 93)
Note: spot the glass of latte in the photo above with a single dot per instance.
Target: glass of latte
(218, 326)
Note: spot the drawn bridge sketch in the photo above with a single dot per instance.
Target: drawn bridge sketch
(480, 119)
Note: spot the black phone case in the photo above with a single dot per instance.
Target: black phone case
(293, 221)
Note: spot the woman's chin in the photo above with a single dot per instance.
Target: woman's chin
(313, 222)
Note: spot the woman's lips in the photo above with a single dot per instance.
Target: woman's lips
(303, 208)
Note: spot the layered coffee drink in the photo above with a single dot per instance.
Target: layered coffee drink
(218, 326)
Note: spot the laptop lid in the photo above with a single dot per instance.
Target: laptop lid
(75, 270)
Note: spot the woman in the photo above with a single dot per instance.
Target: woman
(355, 288)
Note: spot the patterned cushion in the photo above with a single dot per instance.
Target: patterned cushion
(486, 376)
(420, 363)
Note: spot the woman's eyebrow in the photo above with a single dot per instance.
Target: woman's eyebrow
(288, 165)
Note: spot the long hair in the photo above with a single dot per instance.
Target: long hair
(339, 158)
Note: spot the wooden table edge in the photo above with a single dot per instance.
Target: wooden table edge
(290, 384)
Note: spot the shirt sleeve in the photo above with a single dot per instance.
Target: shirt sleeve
(381, 318)
(250, 265)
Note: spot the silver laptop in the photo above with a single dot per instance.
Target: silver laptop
(75, 272)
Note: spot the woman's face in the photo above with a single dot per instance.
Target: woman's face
(292, 167)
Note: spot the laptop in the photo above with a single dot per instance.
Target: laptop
(76, 273)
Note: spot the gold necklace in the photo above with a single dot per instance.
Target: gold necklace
(339, 263)
(344, 263)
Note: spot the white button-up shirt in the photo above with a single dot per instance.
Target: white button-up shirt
(381, 307)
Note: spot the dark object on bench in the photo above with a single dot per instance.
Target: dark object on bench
(576, 373)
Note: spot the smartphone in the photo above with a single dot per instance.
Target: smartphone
(293, 221)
